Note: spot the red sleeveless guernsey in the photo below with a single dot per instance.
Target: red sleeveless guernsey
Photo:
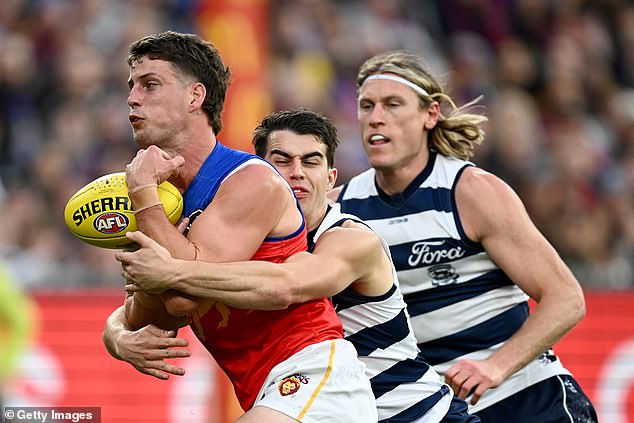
(247, 344)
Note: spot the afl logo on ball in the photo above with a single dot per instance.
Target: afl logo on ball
(111, 222)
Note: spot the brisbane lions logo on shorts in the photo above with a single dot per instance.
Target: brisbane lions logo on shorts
(291, 384)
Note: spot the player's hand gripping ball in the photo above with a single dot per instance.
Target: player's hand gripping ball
(101, 212)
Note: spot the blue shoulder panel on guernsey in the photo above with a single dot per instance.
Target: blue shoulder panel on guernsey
(220, 163)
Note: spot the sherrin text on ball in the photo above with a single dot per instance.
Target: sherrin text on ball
(100, 213)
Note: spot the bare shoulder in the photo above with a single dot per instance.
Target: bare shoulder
(485, 200)
(258, 175)
(476, 182)
(254, 183)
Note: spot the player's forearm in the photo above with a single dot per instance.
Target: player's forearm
(551, 319)
(153, 222)
(116, 324)
(251, 285)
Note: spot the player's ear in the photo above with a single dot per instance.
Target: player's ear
(332, 178)
(198, 94)
(432, 115)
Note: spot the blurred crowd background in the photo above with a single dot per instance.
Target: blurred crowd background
(557, 79)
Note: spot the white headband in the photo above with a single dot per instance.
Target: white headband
(396, 78)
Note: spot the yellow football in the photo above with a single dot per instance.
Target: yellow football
(101, 213)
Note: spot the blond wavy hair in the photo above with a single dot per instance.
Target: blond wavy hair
(458, 130)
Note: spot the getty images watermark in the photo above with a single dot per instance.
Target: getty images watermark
(51, 414)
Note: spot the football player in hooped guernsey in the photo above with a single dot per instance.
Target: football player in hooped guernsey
(467, 254)
(287, 365)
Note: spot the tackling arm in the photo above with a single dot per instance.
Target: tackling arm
(343, 256)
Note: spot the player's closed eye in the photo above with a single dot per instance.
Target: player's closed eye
(281, 162)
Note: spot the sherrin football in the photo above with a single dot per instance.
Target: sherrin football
(101, 213)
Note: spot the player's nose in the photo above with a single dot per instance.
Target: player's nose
(134, 98)
(296, 168)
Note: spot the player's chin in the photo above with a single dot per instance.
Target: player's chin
(380, 163)
(141, 138)
(379, 158)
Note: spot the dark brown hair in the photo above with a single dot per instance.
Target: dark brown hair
(195, 58)
(302, 122)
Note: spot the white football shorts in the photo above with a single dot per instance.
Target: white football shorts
(324, 382)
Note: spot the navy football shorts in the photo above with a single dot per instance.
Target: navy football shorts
(558, 399)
